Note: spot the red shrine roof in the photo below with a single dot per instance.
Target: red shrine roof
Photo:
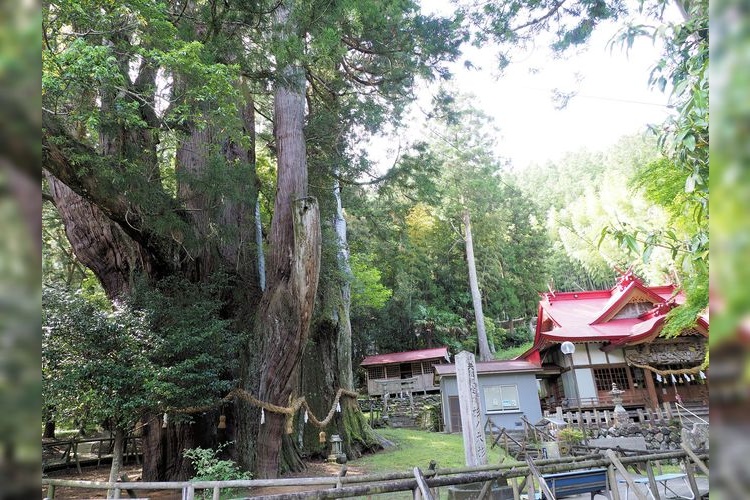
(629, 313)
(406, 357)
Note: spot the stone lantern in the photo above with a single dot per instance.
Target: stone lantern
(337, 452)
(621, 414)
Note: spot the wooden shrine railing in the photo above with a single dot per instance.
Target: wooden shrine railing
(421, 484)
(605, 418)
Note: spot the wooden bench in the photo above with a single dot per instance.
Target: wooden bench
(565, 484)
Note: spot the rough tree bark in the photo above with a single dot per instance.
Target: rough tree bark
(357, 434)
(110, 235)
(285, 312)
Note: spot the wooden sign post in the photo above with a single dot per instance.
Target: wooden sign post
(475, 445)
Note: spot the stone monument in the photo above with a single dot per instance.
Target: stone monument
(475, 445)
(472, 427)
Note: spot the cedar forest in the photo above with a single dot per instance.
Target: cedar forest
(212, 223)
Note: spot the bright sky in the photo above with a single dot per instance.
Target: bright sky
(613, 99)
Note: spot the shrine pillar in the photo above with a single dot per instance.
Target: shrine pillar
(651, 388)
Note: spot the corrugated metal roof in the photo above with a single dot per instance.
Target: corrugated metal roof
(406, 357)
(507, 366)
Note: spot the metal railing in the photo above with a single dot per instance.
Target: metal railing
(681, 409)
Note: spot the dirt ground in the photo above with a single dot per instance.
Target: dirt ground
(314, 469)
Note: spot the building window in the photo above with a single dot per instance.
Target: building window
(605, 376)
(393, 371)
(501, 398)
(375, 372)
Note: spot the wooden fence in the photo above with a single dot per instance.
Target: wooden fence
(68, 453)
(605, 418)
(422, 484)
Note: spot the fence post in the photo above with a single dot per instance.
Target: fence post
(530, 486)
(422, 488)
(625, 474)
(612, 479)
(51, 491)
(652, 481)
(75, 454)
(667, 410)
(217, 493)
(516, 490)
(433, 467)
(691, 478)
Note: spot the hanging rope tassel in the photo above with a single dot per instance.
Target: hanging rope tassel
(306, 417)
(262, 416)
(338, 407)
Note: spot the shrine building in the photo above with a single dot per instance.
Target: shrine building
(397, 372)
(615, 339)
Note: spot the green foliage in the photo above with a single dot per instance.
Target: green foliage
(521, 22)
(678, 181)
(411, 227)
(367, 289)
(194, 350)
(161, 350)
(513, 352)
(209, 467)
(570, 436)
(94, 365)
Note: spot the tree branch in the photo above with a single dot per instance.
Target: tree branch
(79, 167)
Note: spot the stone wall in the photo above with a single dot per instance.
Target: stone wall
(662, 436)
(426, 413)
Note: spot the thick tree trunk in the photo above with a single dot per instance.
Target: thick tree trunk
(163, 447)
(285, 312)
(476, 297)
(283, 324)
(355, 430)
(99, 243)
(342, 317)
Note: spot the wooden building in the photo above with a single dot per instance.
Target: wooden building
(616, 338)
(400, 371)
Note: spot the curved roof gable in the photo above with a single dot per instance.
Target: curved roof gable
(630, 289)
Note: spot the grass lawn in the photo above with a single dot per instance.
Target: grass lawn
(417, 448)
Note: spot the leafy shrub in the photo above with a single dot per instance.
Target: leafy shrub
(208, 467)
(570, 436)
